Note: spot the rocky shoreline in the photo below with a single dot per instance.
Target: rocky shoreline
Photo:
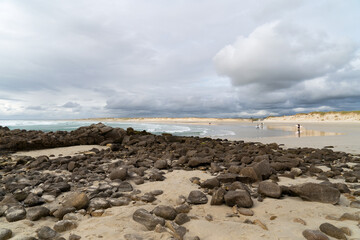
(66, 189)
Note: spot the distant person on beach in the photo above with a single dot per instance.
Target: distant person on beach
(298, 130)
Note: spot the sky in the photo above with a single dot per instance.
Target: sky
(64, 59)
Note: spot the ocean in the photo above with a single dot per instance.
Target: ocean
(228, 131)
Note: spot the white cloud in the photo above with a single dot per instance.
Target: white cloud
(279, 55)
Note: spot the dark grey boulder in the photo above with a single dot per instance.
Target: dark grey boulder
(46, 233)
(35, 213)
(118, 173)
(15, 213)
(99, 203)
(166, 212)
(5, 233)
(197, 197)
(125, 187)
(76, 200)
(147, 219)
(65, 225)
(317, 193)
(269, 189)
(210, 183)
(218, 197)
(182, 218)
(240, 198)
(60, 212)
(161, 164)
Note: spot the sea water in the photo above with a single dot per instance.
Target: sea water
(229, 131)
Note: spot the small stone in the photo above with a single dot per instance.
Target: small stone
(314, 235)
(299, 220)
(273, 218)
(97, 213)
(209, 217)
(74, 237)
(197, 197)
(132, 237)
(122, 201)
(5, 233)
(259, 223)
(157, 192)
(332, 231)
(46, 233)
(65, 225)
(246, 212)
(48, 198)
(33, 200)
(125, 187)
(145, 218)
(15, 213)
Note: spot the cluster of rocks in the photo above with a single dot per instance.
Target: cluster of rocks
(100, 179)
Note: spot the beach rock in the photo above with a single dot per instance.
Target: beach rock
(350, 216)
(132, 237)
(197, 161)
(33, 200)
(210, 183)
(240, 198)
(197, 197)
(5, 233)
(65, 225)
(317, 193)
(177, 231)
(76, 200)
(46, 233)
(218, 197)
(119, 173)
(125, 187)
(284, 163)
(314, 235)
(15, 213)
(161, 164)
(99, 203)
(355, 204)
(166, 212)
(183, 208)
(147, 197)
(332, 231)
(269, 189)
(227, 177)
(122, 201)
(59, 213)
(182, 218)
(35, 213)
(74, 237)
(246, 212)
(147, 219)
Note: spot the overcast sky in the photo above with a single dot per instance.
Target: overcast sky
(179, 58)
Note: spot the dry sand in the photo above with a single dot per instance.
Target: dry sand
(117, 221)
